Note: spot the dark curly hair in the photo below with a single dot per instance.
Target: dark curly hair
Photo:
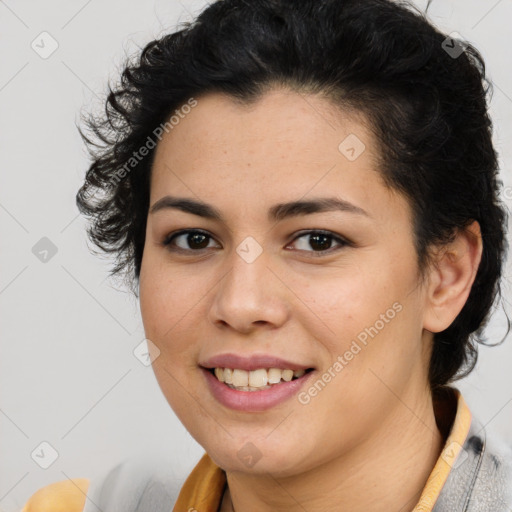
(423, 93)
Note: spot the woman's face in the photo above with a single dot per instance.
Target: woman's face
(258, 282)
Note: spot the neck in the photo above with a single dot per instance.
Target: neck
(386, 472)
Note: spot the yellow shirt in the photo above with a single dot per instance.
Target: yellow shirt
(204, 487)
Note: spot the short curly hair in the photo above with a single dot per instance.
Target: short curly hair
(424, 94)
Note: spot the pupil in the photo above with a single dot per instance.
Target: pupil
(314, 241)
(195, 239)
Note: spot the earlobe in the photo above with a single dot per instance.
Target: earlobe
(451, 278)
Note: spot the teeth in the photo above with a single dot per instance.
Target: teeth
(219, 374)
(228, 375)
(274, 375)
(256, 379)
(287, 375)
(240, 378)
(248, 388)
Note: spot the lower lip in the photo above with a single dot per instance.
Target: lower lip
(254, 401)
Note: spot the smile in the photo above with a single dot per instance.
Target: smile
(242, 395)
(255, 380)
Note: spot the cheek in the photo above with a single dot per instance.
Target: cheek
(370, 310)
(156, 294)
(171, 302)
(160, 303)
(168, 309)
(348, 302)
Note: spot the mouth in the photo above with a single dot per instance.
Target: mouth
(256, 380)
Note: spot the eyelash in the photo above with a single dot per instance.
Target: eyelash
(341, 241)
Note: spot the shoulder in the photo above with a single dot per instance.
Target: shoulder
(481, 477)
(493, 479)
(137, 484)
(63, 496)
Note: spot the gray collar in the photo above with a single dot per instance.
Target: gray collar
(480, 479)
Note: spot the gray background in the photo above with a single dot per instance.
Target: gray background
(68, 374)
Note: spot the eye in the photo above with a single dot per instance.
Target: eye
(320, 241)
(195, 240)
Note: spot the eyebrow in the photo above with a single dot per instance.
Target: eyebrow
(277, 212)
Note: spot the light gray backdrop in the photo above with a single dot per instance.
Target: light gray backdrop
(68, 373)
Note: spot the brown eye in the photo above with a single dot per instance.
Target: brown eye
(320, 242)
(191, 240)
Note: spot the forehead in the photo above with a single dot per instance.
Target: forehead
(285, 145)
(280, 119)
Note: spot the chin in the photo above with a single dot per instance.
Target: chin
(258, 457)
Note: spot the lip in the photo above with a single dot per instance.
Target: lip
(253, 362)
(254, 401)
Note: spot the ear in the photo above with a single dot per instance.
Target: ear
(451, 278)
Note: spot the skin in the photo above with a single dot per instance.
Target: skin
(375, 420)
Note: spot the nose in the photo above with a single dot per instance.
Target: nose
(250, 294)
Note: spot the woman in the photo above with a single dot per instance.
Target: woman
(305, 197)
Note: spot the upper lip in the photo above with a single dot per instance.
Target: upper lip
(253, 362)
